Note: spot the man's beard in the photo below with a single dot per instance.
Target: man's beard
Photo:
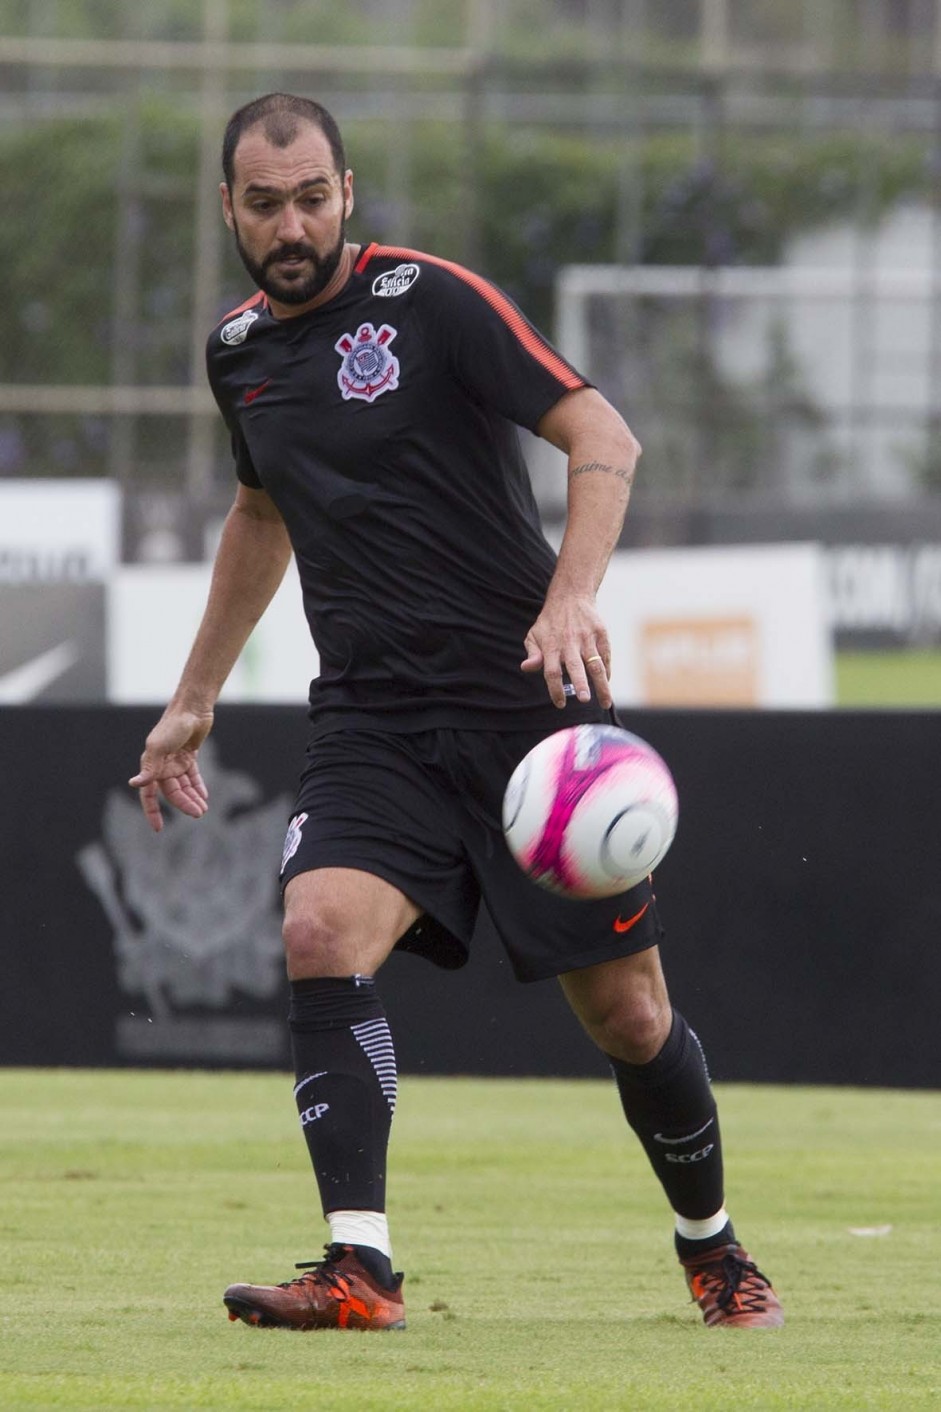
(301, 288)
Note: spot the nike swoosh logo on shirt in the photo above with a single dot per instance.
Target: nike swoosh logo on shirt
(254, 392)
(625, 926)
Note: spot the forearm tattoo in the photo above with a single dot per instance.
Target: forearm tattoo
(624, 473)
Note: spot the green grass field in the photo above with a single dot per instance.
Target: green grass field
(537, 1249)
(911, 679)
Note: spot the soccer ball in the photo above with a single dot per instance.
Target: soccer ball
(590, 811)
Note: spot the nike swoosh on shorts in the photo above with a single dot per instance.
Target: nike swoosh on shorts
(625, 926)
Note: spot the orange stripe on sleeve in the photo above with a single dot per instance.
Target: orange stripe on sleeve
(366, 255)
(247, 304)
(502, 306)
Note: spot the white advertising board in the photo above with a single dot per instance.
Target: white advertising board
(742, 626)
(58, 530)
(153, 614)
(731, 626)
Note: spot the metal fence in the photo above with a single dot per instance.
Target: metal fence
(800, 386)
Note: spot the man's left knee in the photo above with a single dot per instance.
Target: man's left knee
(623, 1006)
(633, 1027)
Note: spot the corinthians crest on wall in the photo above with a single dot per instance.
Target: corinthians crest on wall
(195, 918)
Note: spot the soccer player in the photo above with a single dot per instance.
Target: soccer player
(372, 395)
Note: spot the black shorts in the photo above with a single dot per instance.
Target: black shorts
(423, 811)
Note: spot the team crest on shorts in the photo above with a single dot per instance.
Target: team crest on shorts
(292, 840)
(368, 368)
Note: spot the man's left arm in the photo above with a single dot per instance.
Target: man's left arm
(569, 638)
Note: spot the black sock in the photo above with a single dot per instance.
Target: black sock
(378, 1264)
(670, 1105)
(686, 1249)
(346, 1088)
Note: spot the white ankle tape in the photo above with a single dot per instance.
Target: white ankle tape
(360, 1228)
(702, 1230)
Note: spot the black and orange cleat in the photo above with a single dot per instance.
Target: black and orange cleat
(334, 1293)
(731, 1290)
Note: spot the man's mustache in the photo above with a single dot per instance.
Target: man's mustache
(286, 251)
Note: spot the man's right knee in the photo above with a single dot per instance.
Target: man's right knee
(318, 945)
(342, 922)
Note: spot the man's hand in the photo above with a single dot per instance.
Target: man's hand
(168, 766)
(569, 637)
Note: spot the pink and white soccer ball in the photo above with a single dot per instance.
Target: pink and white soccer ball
(590, 811)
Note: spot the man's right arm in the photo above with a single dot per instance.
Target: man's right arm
(254, 551)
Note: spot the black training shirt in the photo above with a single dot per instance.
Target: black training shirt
(382, 425)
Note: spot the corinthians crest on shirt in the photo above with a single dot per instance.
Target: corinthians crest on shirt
(368, 367)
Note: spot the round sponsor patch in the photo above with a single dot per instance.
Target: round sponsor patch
(236, 330)
(395, 282)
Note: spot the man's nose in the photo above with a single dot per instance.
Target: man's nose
(290, 226)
